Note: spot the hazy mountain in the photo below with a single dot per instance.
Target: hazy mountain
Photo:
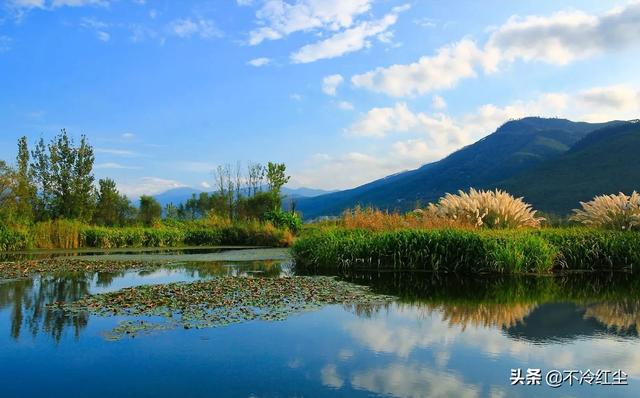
(515, 147)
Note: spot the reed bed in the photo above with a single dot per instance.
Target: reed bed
(469, 251)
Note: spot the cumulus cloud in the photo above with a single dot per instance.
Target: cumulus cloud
(257, 62)
(188, 27)
(345, 105)
(280, 18)
(331, 83)
(408, 139)
(556, 39)
(348, 40)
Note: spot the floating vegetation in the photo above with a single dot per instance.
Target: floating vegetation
(23, 269)
(221, 301)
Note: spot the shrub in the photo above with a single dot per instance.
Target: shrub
(617, 212)
(12, 239)
(490, 209)
(282, 219)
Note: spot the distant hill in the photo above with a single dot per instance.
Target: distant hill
(515, 147)
(181, 195)
(604, 162)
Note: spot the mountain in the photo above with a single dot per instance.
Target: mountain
(604, 162)
(515, 147)
(181, 195)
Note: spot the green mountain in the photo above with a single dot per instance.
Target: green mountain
(516, 147)
(604, 162)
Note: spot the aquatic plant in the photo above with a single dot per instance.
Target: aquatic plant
(12, 239)
(222, 300)
(490, 209)
(57, 234)
(617, 212)
(469, 251)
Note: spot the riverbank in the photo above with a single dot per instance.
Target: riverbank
(469, 251)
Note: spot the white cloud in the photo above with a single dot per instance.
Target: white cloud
(257, 62)
(559, 39)
(78, 3)
(244, 3)
(26, 4)
(188, 27)
(117, 152)
(331, 83)
(428, 137)
(5, 44)
(98, 26)
(346, 41)
(113, 165)
(280, 18)
(127, 136)
(330, 377)
(438, 103)
(205, 185)
(443, 70)
(148, 186)
(345, 105)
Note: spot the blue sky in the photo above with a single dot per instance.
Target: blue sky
(342, 91)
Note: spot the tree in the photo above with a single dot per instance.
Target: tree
(150, 210)
(25, 190)
(7, 194)
(276, 178)
(112, 208)
(255, 177)
(63, 174)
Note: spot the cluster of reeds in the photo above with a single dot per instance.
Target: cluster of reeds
(380, 220)
(470, 251)
(490, 209)
(621, 315)
(57, 234)
(617, 212)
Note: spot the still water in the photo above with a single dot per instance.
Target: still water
(443, 337)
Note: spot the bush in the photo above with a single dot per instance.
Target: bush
(490, 209)
(617, 212)
(282, 219)
(12, 240)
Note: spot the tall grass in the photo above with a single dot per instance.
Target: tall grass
(379, 220)
(58, 234)
(618, 212)
(491, 209)
(469, 251)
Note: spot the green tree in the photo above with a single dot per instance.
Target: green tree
(7, 193)
(112, 208)
(64, 178)
(276, 178)
(25, 190)
(150, 210)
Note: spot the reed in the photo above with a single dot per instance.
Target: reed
(617, 212)
(57, 234)
(469, 251)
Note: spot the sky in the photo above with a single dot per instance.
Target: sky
(342, 91)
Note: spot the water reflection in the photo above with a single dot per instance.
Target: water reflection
(23, 301)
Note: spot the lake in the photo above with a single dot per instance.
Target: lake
(443, 336)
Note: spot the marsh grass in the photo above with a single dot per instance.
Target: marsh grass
(379, 220)
(617, 212)
(58, 234)
(469, 251)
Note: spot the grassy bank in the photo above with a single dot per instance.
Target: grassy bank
(469, 251)
(73, 235)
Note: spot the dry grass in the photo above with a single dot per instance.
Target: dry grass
(58, 234)
(490, 209)
(618, 212)
(379, 220)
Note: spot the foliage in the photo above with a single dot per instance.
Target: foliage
(284, 219)
(450, 250)
(63, 174)
(150, 210)
(617, 212)
(112, 208)
(490, 209)
(7, 193)
(379, 220)
(57, 234)
(11, 239)
(276, 178)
